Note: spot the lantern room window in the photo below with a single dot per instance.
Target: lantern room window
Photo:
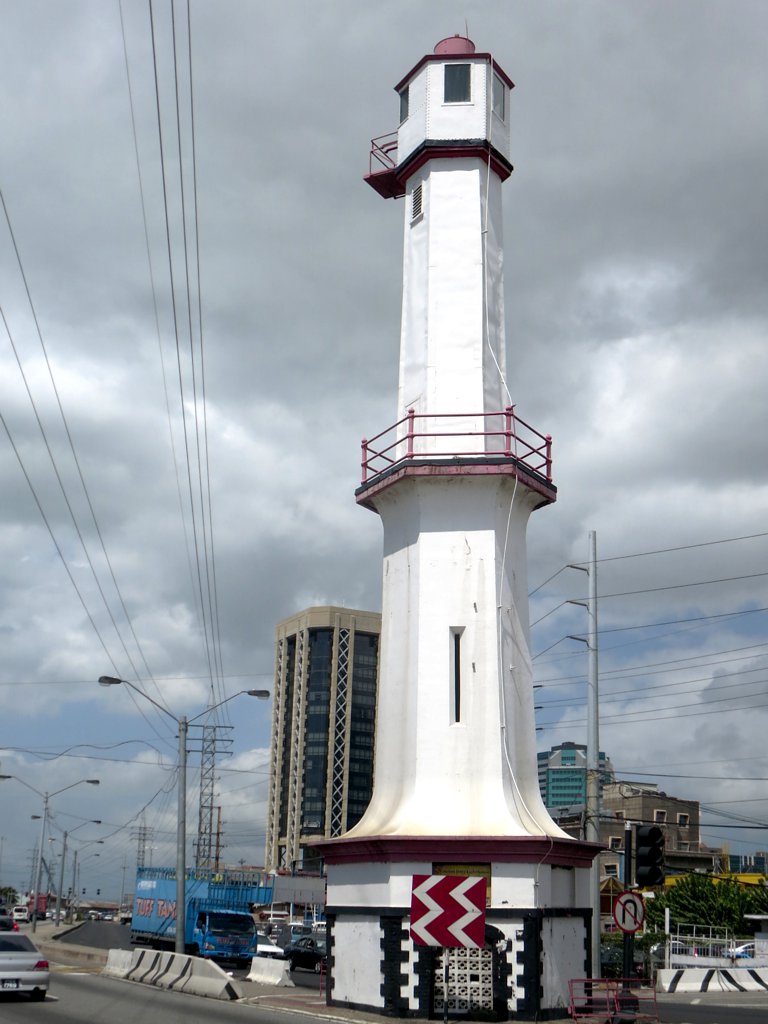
(457, 83)
(403, 104)
(498, 97)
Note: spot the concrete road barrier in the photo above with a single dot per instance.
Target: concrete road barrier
(702, 979)
(181, 973)
(269, 971)
(119, 962)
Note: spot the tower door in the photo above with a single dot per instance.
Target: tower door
(470, 983)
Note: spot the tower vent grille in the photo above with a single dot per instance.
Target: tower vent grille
(417, 202)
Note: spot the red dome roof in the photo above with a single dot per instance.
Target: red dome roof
(455, 46)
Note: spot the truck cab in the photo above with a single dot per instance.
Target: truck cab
(223, 935)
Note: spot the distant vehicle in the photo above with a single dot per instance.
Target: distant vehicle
(269, 949)
(7, 924)
(20, 913)
(658, 951)
(109, 916)
(746, 951)
(308, 951)
(287, 933)
(22, 968)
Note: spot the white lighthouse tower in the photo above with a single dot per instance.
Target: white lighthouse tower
(454, 481)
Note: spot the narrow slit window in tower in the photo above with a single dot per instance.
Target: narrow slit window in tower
(456, 675)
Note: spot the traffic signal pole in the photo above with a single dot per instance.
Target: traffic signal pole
(629, 938)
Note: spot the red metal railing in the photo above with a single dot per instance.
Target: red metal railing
(381, 156)
(506, 435)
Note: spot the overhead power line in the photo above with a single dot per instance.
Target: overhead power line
(655, 551)
(77, 464)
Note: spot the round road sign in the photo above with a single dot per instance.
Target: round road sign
(629, 911)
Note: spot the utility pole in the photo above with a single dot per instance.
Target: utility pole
(213, 743)
(204, 854)
(592, 815)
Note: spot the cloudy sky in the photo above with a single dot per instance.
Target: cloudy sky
(635, 231)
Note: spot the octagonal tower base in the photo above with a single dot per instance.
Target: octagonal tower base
(538, 922)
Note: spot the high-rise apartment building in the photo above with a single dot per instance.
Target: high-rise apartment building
(323, 723)
(563, 775)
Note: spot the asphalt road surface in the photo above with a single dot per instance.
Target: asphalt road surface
(78, 997)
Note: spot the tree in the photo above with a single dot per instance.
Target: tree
(709, 901)
(8, 896)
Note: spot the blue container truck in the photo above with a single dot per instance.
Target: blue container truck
(218, 922)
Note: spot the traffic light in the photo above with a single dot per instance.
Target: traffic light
(649, 855)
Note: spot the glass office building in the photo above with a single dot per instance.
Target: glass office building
(563, 775)
(323, 723)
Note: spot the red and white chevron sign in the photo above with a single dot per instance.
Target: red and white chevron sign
(448, 910)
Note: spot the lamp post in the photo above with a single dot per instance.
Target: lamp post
(75, 902)
(44, 818)
(182, 724)
(93, 821)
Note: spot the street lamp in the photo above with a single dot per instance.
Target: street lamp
(93, 821)
(44, 817)
(182, 724)
(75, 901)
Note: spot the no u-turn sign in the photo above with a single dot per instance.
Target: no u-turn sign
(629, 911)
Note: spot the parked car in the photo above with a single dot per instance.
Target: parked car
(307, 951)
(746, 951)
(22, 967)
(659, 951)
(20, 913)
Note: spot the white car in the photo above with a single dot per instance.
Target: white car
(746, 951)
(22, 967)
(265, 947)
(20, 913)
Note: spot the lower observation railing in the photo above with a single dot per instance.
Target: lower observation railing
(416, 438)
(383, 153)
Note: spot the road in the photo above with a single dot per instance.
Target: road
(81, 996)
(714, 1008)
